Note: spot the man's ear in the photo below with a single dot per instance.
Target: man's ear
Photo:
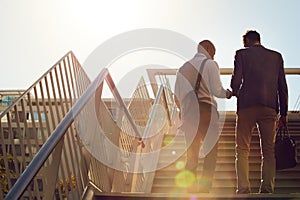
(247, 42)
(211, 52)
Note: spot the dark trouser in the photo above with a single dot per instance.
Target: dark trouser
(247, 119)
(208, 121)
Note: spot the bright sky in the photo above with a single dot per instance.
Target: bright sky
(35, 34)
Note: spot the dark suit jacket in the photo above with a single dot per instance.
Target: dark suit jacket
(258, 78)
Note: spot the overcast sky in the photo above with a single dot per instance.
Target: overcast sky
(35, 34)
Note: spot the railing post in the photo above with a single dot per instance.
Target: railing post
(144, 138)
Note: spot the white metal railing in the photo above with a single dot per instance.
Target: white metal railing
(28, 123)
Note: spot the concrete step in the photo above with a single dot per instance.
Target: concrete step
(173, 157)
(180, 195)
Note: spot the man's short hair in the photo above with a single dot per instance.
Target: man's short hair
(252, 35)
(205, 44)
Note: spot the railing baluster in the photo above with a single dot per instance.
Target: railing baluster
(49, 103)
(34, 166)
(122, 105)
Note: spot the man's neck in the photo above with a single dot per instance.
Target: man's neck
(255, 43)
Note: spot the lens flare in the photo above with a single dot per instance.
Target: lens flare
(168, 140)
(193, 198)
(180, 165)
(185, 178)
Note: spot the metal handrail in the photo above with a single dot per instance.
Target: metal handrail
(153, 111)
(35, 165)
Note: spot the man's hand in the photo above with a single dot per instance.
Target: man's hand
(228, 94)
(236, 93)
(282, 121)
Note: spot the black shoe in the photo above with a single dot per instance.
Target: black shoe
(265, 191)
(204, 185)
(242, 191)
(203, 190)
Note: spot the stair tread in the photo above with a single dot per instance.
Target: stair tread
(177, 194)
(225, 177)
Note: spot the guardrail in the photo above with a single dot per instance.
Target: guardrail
(61, 95)
(25, 126)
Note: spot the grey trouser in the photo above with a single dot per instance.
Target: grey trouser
(208, 118)
(247, 118)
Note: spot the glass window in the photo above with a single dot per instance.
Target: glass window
(7, 100)
(36, 117)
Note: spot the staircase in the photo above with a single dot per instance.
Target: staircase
(165, 186)
(287, 181)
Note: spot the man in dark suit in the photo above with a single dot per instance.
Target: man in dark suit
(259, 83)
